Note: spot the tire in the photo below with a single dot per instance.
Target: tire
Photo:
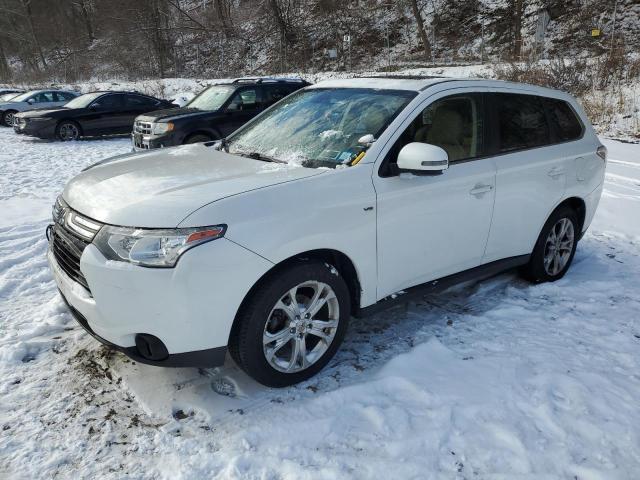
(198, 137)
(272, 362)
(7, 118)
(68, 130)
(555, 247)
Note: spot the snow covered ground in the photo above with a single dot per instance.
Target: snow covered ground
(498, 379)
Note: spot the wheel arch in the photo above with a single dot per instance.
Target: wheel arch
(211, 133)
(335, 258)
(578, 205)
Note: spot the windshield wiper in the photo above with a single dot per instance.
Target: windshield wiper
(261, 157)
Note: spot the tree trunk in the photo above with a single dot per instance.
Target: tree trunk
(27, 7)
(86, 18)
(421, 30)
(285, 34)
(5, 71)
(518, 13)
(223, 14)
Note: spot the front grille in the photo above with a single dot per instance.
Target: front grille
(70, 235)
(67, 250)
(142, 127)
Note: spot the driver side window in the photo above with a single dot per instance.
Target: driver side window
(454, 124)
(244, 100)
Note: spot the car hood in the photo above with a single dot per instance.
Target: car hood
(9, 105)
(159, 189)
(42, 112)
(170, 113)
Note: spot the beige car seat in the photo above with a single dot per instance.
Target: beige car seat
(445, 132)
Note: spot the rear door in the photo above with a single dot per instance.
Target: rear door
(63, 97)
(531, 173)
(134, 105)
(276, 92)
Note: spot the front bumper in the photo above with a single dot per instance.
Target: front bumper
(141, 142)
(40, 129)
(190, 308)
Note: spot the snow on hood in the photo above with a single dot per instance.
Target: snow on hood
(159, 189)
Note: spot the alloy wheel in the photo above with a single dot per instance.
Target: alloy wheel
(68, 131)
(8, 119)
(301, 327)
(558, 246)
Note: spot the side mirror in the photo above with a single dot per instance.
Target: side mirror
(30, 101)
(419, 157)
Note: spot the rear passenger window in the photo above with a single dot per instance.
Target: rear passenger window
(522, 122)
(138, 101)
(565, 125)
(277, 93)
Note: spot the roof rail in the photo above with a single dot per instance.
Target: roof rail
(404, 77)
(267, 79)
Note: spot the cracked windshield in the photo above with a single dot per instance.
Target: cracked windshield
(320, 127)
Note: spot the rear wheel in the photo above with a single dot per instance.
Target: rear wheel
(555, 248)
(68, 131)
(292, 325)
(197, 138)
(7, 118)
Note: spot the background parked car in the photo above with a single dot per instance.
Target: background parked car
(32, 100)
(214, 113)
(4, 91)
(91, 114)
(8, 96)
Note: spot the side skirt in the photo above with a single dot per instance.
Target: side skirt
(434, 286)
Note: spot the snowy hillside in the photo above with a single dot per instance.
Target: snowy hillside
(498, 379)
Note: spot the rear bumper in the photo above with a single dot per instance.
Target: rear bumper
(591, 203)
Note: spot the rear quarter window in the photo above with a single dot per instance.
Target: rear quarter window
(565, 124)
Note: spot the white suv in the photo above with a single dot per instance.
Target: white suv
(326, 205)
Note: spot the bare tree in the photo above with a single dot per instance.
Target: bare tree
(422, 32)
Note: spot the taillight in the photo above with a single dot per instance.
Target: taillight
(602, 152)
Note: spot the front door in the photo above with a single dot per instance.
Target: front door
(245, 104)
(103, 117)
(430, 226)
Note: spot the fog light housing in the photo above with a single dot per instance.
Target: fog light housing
(151, 347)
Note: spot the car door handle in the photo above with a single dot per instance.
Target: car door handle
(556, 172)
(480, 188)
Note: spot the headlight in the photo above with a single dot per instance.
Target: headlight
(152, 248)
(160, 128)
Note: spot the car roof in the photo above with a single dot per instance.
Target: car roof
(129, 92)
(33, 92)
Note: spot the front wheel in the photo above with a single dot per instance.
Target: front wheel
(292, 325)
(68, 131)
(197, 138)
(8, 117)
(555, 248)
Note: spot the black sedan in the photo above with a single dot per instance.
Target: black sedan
(89, 115)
